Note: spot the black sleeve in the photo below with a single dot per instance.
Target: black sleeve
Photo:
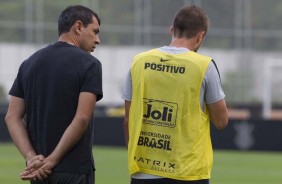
(93, 80)
(17, 87)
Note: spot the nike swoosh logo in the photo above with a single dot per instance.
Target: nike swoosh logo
(164, 60)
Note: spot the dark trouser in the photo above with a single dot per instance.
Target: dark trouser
(166, 181)
(68, 178)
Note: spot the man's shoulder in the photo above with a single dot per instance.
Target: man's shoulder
(200, 56)
(145, 53)
(63, 52)
(74, 52)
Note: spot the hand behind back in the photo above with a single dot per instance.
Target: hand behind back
(38, 167)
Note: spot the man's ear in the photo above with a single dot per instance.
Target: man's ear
(78, 27)
(200, 36)
(171, 30)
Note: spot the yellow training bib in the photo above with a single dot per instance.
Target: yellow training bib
(169, 133)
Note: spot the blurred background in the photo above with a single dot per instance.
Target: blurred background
(244, 39)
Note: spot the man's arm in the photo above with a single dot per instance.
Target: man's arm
(214, 97)
(218, 114)
(71, 136)
(15, 124)
(78, 126)
(126, 121)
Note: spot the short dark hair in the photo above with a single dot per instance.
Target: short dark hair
(74, 13)
(190, 20)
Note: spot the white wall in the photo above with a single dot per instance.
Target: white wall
(116, 62)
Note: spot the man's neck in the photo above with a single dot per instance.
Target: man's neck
(66, 37)
(183, 42)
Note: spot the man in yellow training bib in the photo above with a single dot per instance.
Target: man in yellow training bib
(171, 94)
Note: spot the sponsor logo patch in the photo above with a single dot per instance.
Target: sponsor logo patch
(160, 113)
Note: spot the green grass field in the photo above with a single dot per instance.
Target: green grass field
(230, 167)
